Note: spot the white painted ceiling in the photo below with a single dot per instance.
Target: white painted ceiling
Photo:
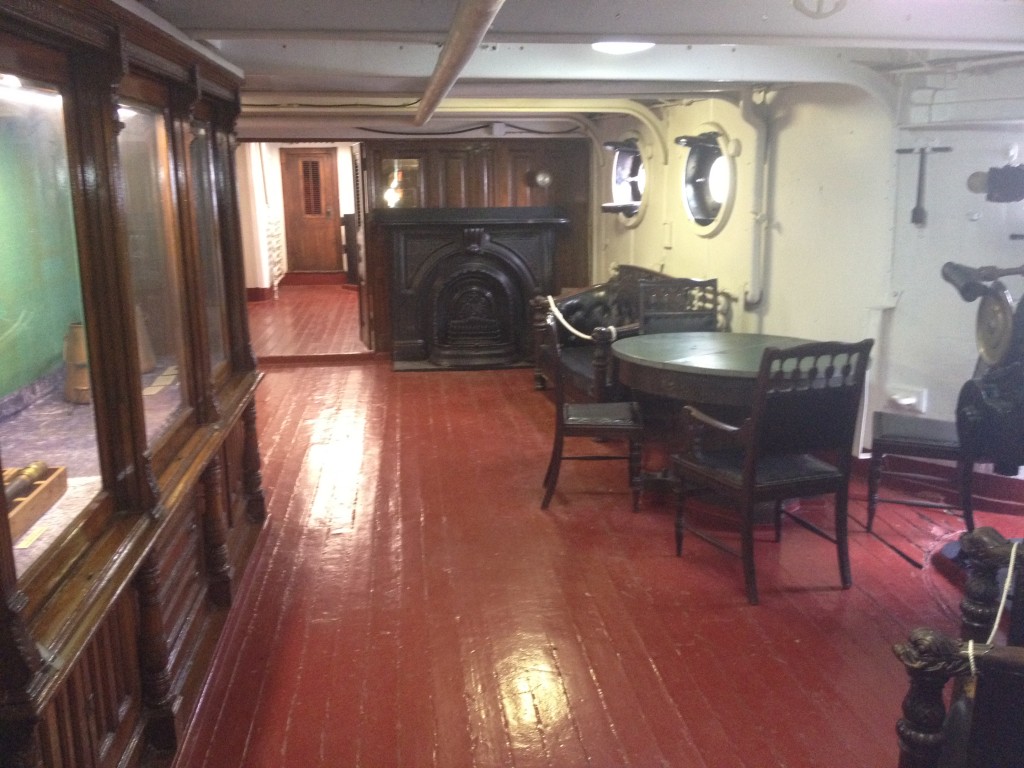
(541, 48)
(391, 46)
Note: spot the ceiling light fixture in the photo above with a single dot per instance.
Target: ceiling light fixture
(621, 47)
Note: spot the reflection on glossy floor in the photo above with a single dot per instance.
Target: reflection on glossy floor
(318, 321)
(413, 606)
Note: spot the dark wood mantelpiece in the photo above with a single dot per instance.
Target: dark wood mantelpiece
(460, 217)
(472, 175)
(463, 278)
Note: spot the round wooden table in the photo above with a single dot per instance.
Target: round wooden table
(699, 367)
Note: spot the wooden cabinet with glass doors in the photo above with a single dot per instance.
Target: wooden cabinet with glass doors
(132, 491)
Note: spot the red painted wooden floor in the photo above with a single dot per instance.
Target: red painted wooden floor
(413, 606)
(306, 320)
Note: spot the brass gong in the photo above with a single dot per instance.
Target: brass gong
(994, 325)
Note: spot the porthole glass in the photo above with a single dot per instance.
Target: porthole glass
(154, 254)
(707, 180)
(51, 462)
(719, 180)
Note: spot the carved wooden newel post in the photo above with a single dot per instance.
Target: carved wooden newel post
(987, 551)
(931, 659)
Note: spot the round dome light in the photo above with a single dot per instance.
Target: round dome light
(621, 47)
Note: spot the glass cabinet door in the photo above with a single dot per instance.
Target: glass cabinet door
(204, 207)
(153, 249)
(48, 443)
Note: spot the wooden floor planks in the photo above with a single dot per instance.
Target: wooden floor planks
(413, 606)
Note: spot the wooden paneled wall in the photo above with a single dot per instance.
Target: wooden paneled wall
(95, 718)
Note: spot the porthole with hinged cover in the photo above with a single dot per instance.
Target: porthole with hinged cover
(707, 180)
(629, 178)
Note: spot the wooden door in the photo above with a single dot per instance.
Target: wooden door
(312, 221)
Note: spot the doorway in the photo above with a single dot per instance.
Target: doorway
(297, 202)
(312, 212)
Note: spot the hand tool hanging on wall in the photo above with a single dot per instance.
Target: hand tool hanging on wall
(918, 215)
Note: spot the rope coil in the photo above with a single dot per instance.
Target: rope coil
(565, 323)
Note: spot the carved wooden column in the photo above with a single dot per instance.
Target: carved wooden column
(539, 311)
(19, 663)
(603, 339)
(163, 706)
(224, 148)
(256, 505)
(215, 544)
(931, 659)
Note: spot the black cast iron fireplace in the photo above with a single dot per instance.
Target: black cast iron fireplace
(463, 281)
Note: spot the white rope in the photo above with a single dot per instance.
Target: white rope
(565, 323)
(1006, 592)
(999, 611)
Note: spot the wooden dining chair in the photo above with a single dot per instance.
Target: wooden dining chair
(797, 442)
(606, 421)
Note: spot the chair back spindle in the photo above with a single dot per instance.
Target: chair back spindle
(808, 398)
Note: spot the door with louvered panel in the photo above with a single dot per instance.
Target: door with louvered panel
(313, 223)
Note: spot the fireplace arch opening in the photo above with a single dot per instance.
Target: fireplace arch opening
(463, 280)
(475, 314)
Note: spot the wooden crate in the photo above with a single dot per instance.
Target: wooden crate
(24, 511)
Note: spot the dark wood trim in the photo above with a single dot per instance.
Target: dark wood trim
(314, 278)
(259, 294)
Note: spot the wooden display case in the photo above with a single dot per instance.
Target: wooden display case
(107, 631)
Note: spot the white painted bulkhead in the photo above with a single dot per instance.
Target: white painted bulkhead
(841, 258)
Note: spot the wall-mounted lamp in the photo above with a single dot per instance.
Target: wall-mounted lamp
(540, 179)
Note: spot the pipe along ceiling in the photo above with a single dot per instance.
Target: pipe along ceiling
(472, 20)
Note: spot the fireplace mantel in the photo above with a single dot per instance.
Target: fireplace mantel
(463, 279)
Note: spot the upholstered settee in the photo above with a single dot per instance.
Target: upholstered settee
(602, 312)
